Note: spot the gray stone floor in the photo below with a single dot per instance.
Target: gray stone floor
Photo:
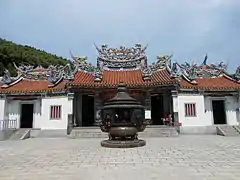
(185, 157)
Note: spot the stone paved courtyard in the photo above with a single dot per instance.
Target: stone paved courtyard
(185, 157)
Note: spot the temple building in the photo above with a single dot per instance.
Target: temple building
(196, 97)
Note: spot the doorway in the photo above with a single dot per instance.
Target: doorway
(88, 110)
(157, 109)
(26, 120)
(219, 113)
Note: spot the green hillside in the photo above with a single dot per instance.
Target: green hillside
(20, 54)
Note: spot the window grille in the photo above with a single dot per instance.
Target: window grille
(55, 112)
(190, 110)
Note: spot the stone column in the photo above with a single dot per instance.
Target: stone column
(148, 101)
(74, 110)
(148, 107)
(166, 102)
(78, 109)
(238, 107)
(70, 112)
(97, 107)
(175, 108)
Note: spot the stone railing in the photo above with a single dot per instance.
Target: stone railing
(8, 124)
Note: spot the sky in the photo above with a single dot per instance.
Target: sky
(188, 29)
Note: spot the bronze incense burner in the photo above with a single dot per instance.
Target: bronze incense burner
(122, 118)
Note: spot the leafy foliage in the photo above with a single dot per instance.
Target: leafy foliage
(11, 52)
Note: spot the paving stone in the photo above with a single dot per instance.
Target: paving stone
(186, 157)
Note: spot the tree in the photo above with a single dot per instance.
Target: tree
(20, 54)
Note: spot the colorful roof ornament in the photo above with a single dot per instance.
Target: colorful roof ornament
(236, 75)
(163, 62)
(192, 71)
(54, 74)
(81, 64)
(121, 58)
(7, 79)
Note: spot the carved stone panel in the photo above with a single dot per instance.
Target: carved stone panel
(97, 109)
(148, 102)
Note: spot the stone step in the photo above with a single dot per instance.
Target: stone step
(163, 131)
(48, 133)
(19, 134)
(227, 130)
(149, 132)
(87, 133)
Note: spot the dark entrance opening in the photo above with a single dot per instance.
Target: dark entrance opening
(26, 120)
(219, 114)
(157, 109)
(87, 110)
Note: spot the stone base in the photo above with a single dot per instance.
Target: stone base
(123, 143)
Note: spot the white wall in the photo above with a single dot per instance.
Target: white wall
(231, 104)
(13, 110)
(200, 119)
(204, 112)
(45, 122)
(41, 111)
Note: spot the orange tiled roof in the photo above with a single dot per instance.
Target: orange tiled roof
(162, 77)
(113, 78)
(219, 83)
(32, 86)
(131, 77)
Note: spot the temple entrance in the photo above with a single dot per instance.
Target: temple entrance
(87, 110)
(26, 120)
(157, 109)
(219, 113)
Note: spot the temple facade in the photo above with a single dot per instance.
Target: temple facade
(196, 97)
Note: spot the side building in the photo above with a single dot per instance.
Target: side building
(59, 97)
